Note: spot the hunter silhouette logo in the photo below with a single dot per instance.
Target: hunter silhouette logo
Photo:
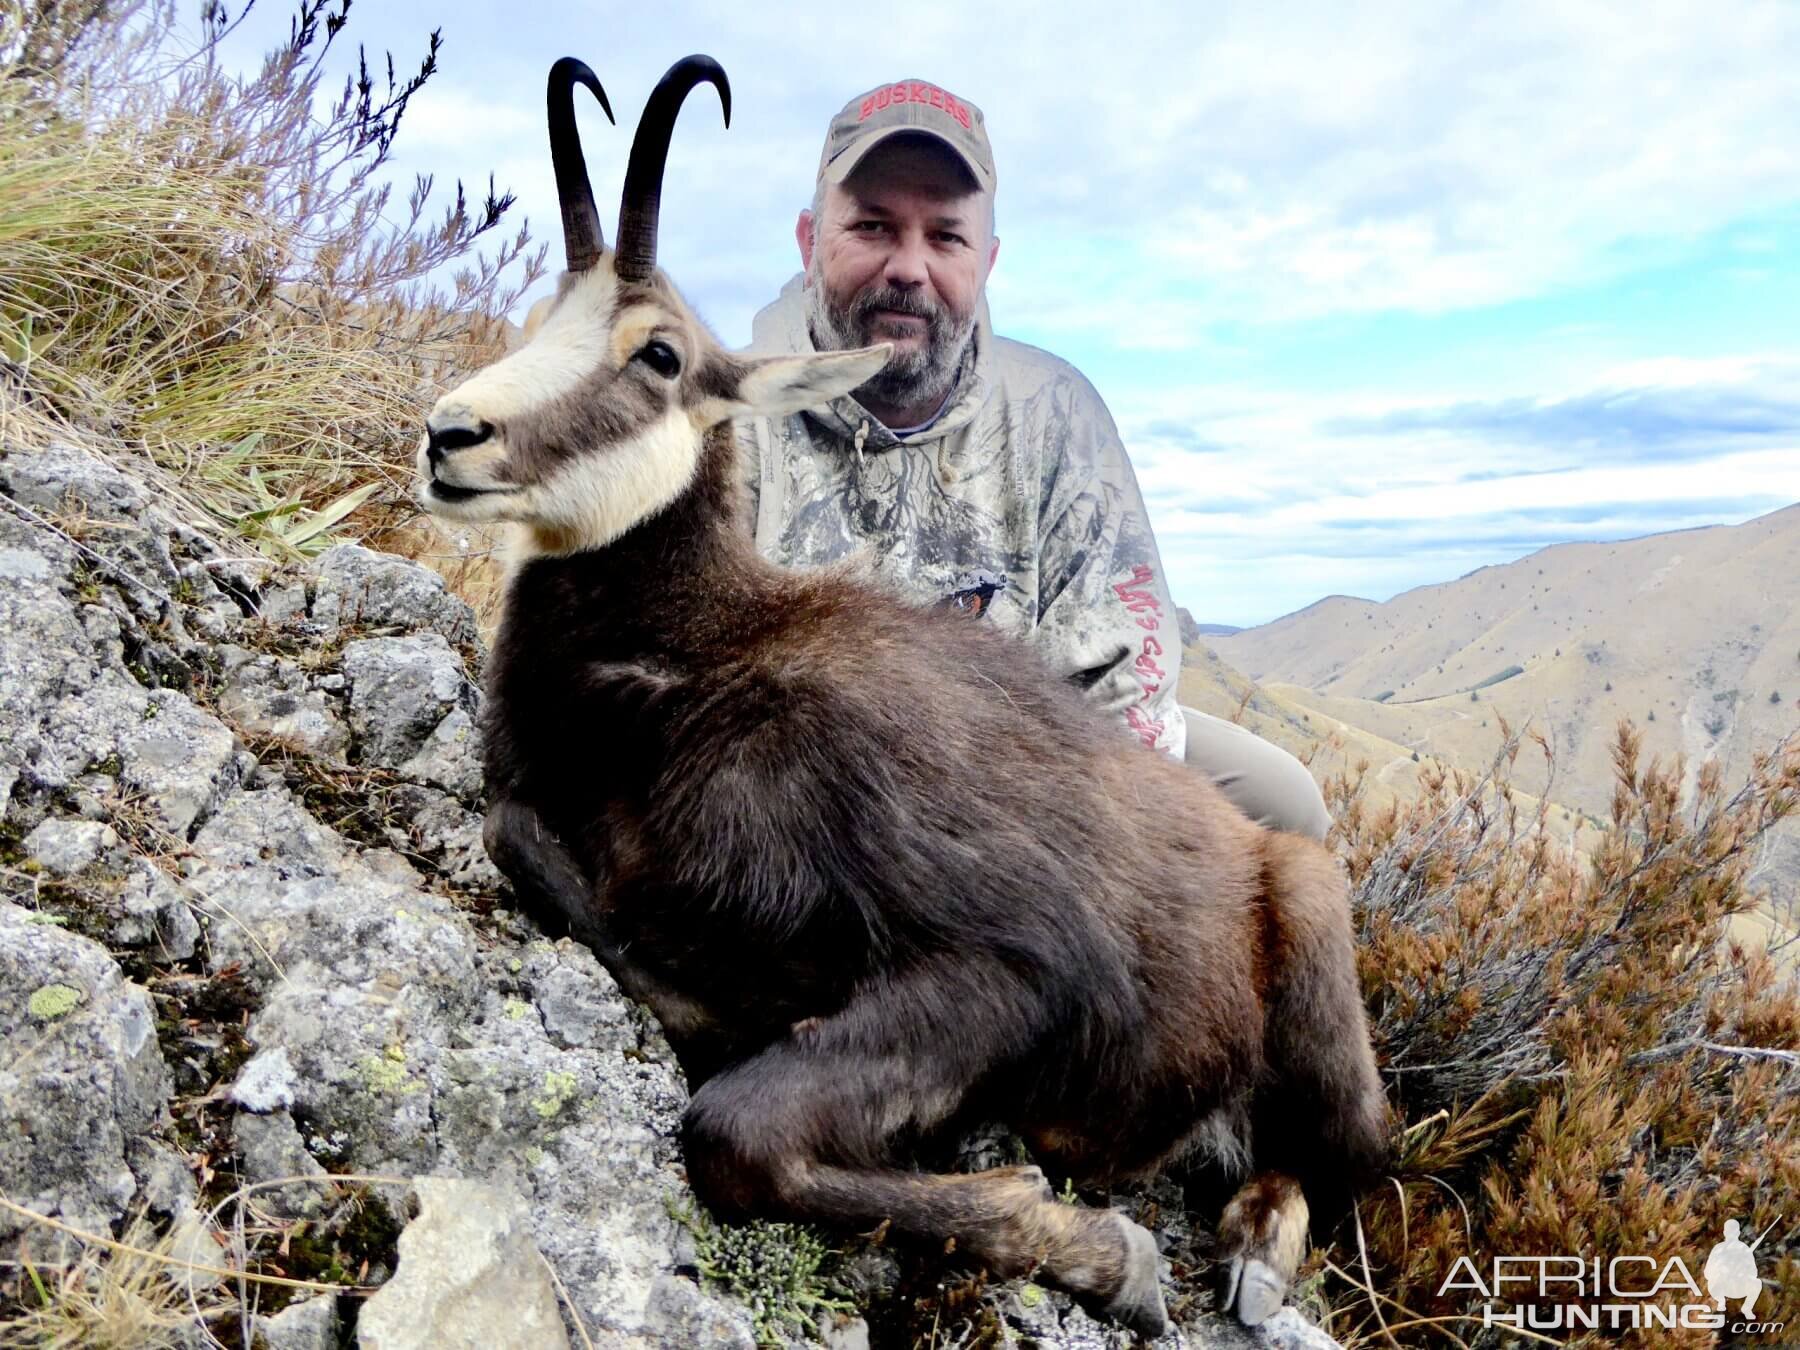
(1621, 1292)
(1730, 1270)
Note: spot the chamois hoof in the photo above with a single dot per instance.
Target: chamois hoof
(1139, 1302)
(1253, 1290)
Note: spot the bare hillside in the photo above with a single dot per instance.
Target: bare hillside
(1695, 635)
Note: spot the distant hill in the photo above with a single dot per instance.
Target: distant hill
(1192, 631)
(1694, 635)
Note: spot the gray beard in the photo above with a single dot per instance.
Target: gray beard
(922, 375)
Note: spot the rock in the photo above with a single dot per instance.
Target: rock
(462, 856)
(269, 1147)
(579, 1005)
(311, 1324)
(1190, 627)
(165, 1181)
(47, 479)
(18, 564)
(66, 846)
(181, 759)
(156, 912)
(83, 1077)
(266, 1083)
(680, 1313)
(450, 757)
(401, 689)
(1289, 1330)
(359, 587)
(281, 604)
(268, 696)
(469, 1275)
(46, 658)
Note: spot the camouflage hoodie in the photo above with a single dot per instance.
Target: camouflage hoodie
(1017, 504)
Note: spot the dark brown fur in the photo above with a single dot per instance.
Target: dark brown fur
(881, 873)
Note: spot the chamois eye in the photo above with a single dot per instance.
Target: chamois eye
(661, 358)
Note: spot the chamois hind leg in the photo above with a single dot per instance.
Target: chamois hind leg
(809, 1127)
(1319, 1120)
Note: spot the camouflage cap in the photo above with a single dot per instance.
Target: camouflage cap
(896, 109)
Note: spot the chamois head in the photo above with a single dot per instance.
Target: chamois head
(598, 421)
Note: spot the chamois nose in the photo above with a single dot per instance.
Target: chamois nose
(440, 441)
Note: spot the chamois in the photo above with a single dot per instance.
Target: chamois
(879, 872)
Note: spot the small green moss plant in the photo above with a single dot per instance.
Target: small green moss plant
(54, 1001)
(776, 1270)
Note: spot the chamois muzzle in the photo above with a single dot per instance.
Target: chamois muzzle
(439, 442)
(642, 199)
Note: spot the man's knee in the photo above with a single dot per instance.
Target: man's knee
(1262, 780)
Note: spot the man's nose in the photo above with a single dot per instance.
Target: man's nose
(906, 264)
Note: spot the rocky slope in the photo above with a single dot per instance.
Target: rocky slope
(249, 942)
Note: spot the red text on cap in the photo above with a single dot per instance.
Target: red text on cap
(915, 92)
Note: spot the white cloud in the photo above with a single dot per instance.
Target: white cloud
(1273, 161)
(1293, 497)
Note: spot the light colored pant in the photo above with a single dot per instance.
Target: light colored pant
(1263, 781)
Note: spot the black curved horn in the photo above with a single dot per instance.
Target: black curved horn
(642, 198)
(583, 239)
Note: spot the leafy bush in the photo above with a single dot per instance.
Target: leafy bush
(204, 265)
(1580, 1060)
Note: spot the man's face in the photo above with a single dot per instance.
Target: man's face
(900, 253)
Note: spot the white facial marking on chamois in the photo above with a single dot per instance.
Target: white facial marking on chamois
(592, 500)
(569, 345)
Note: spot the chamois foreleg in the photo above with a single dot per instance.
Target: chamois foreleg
(554, 890)
(810, 1127)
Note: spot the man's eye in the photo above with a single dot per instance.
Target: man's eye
(869, 226)
(945, 237)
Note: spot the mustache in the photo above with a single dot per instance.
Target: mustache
(863, 308)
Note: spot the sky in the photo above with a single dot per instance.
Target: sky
(1377, 293)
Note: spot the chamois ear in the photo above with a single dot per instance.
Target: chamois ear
(772, 386)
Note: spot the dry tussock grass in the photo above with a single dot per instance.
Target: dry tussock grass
(208, 268)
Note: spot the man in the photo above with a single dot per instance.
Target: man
(974, 471)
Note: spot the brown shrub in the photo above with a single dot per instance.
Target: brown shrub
(1583, 1064)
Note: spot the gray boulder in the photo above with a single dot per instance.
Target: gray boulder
(356, 586)
(469, 1278)
(401, 689)
(272, 696)
(311, 1324)
(83, 1080)
(62, 846)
